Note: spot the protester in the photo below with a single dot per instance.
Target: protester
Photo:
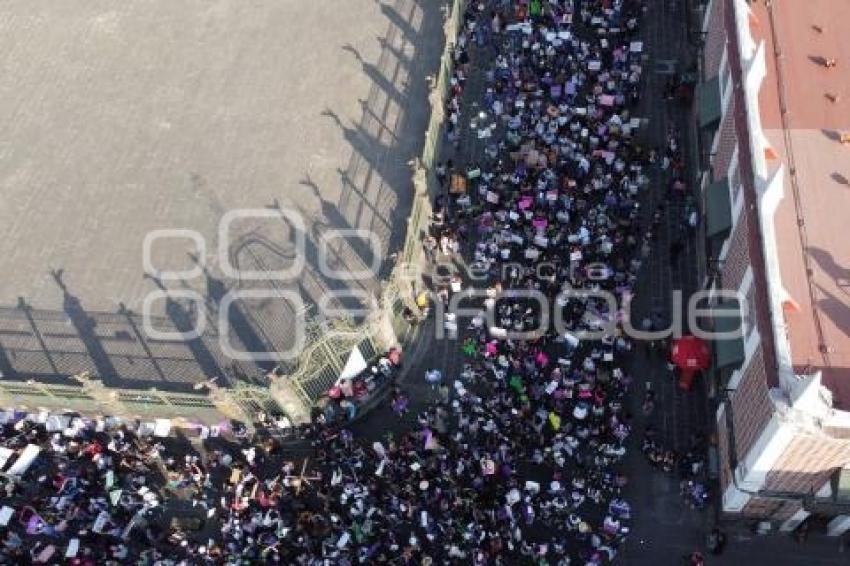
(716, 541)
(519, 458)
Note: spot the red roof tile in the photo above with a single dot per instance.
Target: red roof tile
(806, 34)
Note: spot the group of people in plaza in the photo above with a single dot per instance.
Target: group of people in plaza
(519, 457)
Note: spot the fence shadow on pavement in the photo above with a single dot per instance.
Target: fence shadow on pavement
(377, 195)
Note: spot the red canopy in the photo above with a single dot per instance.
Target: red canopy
(690, 354)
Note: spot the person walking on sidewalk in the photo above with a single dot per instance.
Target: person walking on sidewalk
(716, 541)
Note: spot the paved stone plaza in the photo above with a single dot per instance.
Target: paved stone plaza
(118, 119)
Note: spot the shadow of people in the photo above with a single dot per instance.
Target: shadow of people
(839, 178)
(834, 135)
(839, 274)
(85, 327)
(818, 60)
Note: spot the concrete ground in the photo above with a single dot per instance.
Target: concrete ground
(120, 119)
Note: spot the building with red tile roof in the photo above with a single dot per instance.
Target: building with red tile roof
(774, 120)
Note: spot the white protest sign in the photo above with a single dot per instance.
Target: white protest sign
(25, 460)
(73, 548)
(6, 514)
(5, 454)
(100, 522)
(162, 428)
(497, 332)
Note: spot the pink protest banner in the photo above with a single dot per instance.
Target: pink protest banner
(525, 203)
(542, 359)
(539, 223)
(606, 100)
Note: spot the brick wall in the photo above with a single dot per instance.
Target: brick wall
(726, 144)
(752, 231)
(737, 258)
(715, 40)
(775, 509)
(807, 463)
(751, 407)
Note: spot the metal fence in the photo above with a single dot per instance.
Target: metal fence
(434, 135)
(323, 360)
(140, 404)
(424, 181)
(321, 363)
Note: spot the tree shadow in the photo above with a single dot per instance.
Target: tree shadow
(131, 322)
(836, 377)
(242, 324)
(7, 370)
(824, 258)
